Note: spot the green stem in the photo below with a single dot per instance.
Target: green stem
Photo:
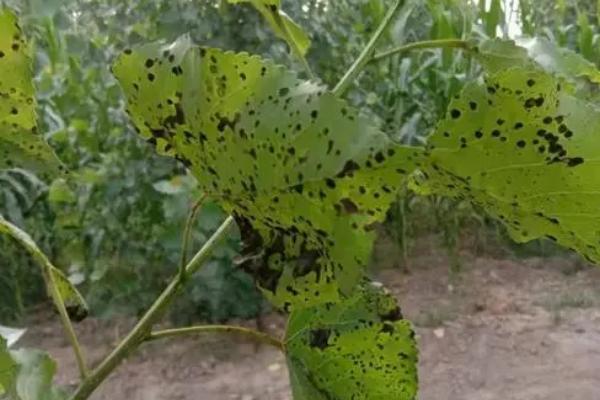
(66, 321)
(426, 44)
(194, 330)
(186, 237)
(141, 331)
(365, 56)
(25, 240)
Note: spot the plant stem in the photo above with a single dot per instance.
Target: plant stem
(186, 236)
(254, 334)
(25, 240)
(66, 321)
(365, 56)
(426, 44)
(141, 331)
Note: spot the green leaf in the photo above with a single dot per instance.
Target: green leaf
(526, 150)
(27, 374)
(560, 61)
(74, 302)
(494, 18)
(283, 26)
(304, 174)
(61, 193)
(585, 36)
(360, 348)
(34, 379)
(497, 55)
(8, 369)
(20, 143)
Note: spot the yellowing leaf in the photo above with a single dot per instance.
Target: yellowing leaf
(578, 74)
(20, 143)
(303, 173)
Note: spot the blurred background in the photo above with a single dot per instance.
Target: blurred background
(116, 230)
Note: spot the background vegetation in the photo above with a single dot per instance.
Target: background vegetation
(117, 229)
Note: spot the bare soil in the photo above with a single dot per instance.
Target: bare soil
(500, 329)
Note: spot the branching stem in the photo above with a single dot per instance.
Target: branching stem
(143, 328)
(365, 56)
(24, 240)
(142, 331)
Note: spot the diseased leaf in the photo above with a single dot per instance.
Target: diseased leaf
(360, 348)
(283, 26)
(20, 143)
(526, 150)
(497, 55)
(75, 304)
(304, 174)
(558, 60)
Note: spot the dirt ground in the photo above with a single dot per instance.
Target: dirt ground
(502, 329)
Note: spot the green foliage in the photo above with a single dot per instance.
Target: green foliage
(19, 192)
(359, 348)
(20, 143)
(497, 55)
(7, 368)
(27, 375)
(211, 110)
(119, 240)
(283, 26)
(536, 141)
(74, 302)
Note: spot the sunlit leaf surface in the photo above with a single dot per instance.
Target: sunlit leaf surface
(20, 143)
(305, 175)
(527, 151)
(360, 348)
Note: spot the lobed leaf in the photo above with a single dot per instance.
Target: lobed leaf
(304, 174)
(360, 348)
(525, 149)
(20, 143)
(579, 75)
